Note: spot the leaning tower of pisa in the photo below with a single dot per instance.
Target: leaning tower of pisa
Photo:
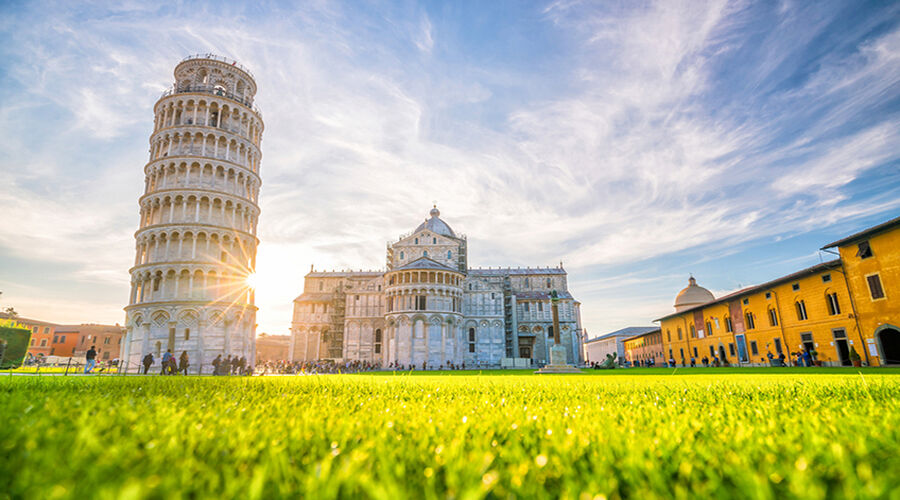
(196, 243)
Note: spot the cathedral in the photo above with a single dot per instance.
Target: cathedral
(428, 308)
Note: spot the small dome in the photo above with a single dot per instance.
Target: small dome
(436, 225)
(693, 295)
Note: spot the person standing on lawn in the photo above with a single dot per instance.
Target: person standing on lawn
(148, 360)
(183, 362)
(90, 360)
(167, 357)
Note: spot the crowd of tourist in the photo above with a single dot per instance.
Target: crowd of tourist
(283, 367)
(799, 358)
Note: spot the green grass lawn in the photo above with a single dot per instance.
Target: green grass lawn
(54, 369)
(710, 434)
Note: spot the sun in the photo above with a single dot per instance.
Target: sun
(252, 280)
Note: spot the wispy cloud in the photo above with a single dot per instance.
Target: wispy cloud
(623, 139)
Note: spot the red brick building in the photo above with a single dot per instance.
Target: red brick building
(107, 339)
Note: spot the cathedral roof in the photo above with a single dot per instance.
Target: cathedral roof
(542, 295)
(436, 225)
(425, 263)
(503, 271)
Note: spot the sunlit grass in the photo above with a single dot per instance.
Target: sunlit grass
(714, 435)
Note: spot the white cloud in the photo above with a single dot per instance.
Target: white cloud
(625, 157)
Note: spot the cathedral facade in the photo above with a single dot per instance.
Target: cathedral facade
(428, 308)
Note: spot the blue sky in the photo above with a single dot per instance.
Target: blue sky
(637, 142)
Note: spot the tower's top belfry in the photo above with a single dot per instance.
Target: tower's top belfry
(209, 73)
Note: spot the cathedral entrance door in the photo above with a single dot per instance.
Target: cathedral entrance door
(526, 347)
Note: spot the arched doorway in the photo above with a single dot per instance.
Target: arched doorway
(889, 342)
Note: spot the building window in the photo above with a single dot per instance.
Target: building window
(746, 302)
(875, 289)
(34, 329)
(417, 241)
(526, 306)
(378, 341)
(434, 241)
(425, 253)
(795, 286)
(778, 346)
(708, 328)
(693, 332)
(106, 340)
(156, 284)
(768, 295)
(826, 278)
(62, 339)
(43, 342)
(46, 329)
(750, 323)
(550, 332)
(773, 317)
(669, 335)
(864, 251)
(834, 307)
(449, 254)
(32, 342)
(56, 339)
(420, 302)
(712, 351)
(695, 352)
(401, 255)
(187, 334)
(52, 351)
(549, 283)
(526, 283)
(716, 321)
(540, 306)
(731, 348)
(754, 350)
(801, 310)
(471, 340)
(680, 336)
(322, 285)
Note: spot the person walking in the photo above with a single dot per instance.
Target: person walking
(148, 360)
(217, 365)
(183, 362)
(90, 360)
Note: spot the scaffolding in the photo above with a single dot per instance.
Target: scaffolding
(336, 332)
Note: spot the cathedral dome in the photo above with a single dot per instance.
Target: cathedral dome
(692, 295)
(436, 225)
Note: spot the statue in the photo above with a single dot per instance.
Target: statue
(610, 362)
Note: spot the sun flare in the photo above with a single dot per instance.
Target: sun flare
(252, 280)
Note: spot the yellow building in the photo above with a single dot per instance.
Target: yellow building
(871, 262)
(645, 349)
(832, 309)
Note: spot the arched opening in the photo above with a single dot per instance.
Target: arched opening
(889, 340)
